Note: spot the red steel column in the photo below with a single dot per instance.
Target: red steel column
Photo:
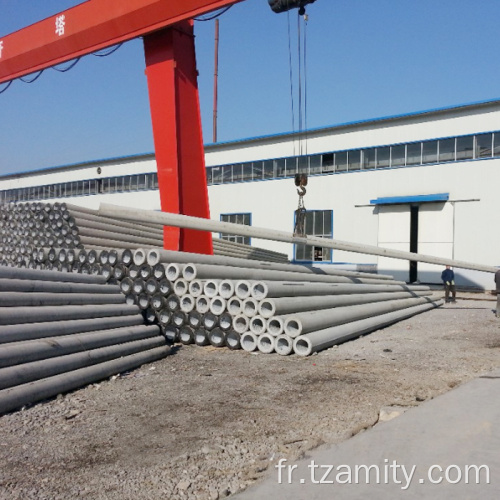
(175, 113)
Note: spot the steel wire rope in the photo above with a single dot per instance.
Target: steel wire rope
(290, 66)
(215, 16)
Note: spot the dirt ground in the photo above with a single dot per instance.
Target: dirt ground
(205, 423)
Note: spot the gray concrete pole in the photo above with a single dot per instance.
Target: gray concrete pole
(42, 275)
(188, 222)
(208, 271)
(301, 323)
(304, 345)
(33, 286)
(31, 331)
(18, 396)
(51, 347)
(35, 370)
(18, 315)
(34, 299)
(288, 305)
(261, 290)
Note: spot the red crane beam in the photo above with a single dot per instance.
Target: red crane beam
(91, 26)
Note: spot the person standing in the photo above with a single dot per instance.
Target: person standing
(497, 281)
(448, 278)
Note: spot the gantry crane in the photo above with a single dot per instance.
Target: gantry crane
(167, 30)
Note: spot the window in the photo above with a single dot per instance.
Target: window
(227, 173)
(369, 158)
(257, 170)
(447, 150)
(318, 223)
(327, 162)
(315, 164)
(414, 153)
(354, 159)
(291, 166)
(341, 161)
(247, 171)
(484, 145)
(303, 164)
(465, 147)
(398, 155)
(269, 171)
(429, 152)
(245, 219)
(383, 157)
(496, 150)
(280, 167)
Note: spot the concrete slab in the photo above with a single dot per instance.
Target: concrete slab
(446, 448)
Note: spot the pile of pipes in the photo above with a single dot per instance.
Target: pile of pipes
(229, 301)
(61, 331)
(30, 230)
(271, 307)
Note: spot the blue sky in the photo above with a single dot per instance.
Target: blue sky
(365, 59)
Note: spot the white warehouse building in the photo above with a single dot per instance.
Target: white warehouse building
(423, 182)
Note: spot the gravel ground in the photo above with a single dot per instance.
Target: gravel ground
(205, 423)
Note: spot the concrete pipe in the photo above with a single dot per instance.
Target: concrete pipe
(241, 323)
(203, 304)
(36, 299)
(261, 290)
(98, 234)
(187, 303)
(201, 337)
(226, 289)
(208, 271)
(248, 341)
(91, 227)
(127, 285)
(133, 271)
(225, 321)
(178, 318)
(143, 301)
(21, 395)
(196, 288)
(211, 288)
(275, 326)
(158, 255)
(164, 316)
(158, 302)
(15, 285)
(145, 271)
(41, 275)
(258, 325)
(195, 319)
(173, 302)
(250, 307)
(299, 324)
(138, 286)
(131, 299)
(32, 331)
(181, 287)
(217, 337)
(177, 220)
(283, 345)
(158, 271)
(120, 271)
(149, 316)
(233, 340)
(243, 289)
(265, 343)
(28, 372)
(18, 315)
(51, 347)
(165, 286)
(139, 256)
(186, 335)
(304, 345)
(112, 243)
(171, 333)
(152, 286)
(210, 321)
(173, 272)
(287, 305)
(217, 306)
(234, 306)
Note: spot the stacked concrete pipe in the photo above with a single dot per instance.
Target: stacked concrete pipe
(222, 300)
(60, 331)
